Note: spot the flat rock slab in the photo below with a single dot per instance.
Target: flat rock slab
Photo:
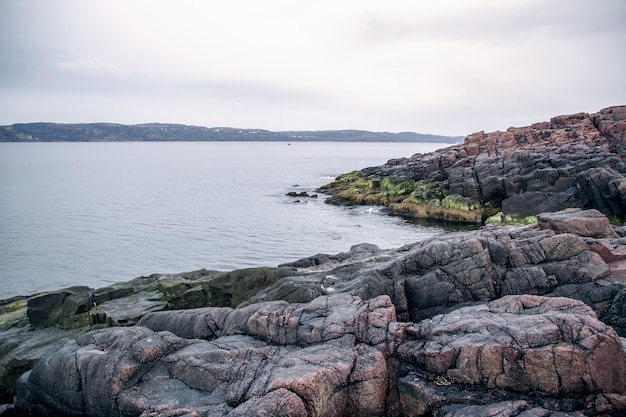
(588, 223)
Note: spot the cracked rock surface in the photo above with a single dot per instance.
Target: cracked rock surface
(328, 360)
(498, 321)
(575, 160)
(338, 355)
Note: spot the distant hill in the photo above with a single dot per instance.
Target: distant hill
(159, 132)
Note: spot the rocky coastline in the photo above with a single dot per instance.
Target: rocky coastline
(517, 321)
(571, 161)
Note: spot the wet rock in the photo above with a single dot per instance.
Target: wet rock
(301, 194)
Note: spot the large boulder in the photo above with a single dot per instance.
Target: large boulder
(67, 308)
(338, 355)
(555, 346)
(325, 358)
(429, 277)
(587, 223)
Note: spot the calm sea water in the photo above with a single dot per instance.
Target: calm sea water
(97, 213)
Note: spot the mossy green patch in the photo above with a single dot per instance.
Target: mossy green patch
(458, 202)
(426, 192)
(421, 199)
(13, 315)
(7, 347)
(437, 212)
(181, 293)
(12, 307)
(510, 220)
(350, 181)
(358, 189)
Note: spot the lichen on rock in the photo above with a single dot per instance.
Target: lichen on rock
(571, 161)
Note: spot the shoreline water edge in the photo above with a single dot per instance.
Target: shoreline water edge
(512, 320)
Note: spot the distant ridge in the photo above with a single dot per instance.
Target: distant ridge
(160, 132)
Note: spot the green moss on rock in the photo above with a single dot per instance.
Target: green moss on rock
(426, 192)
(230, 289)
(437, 212)
(458, 202)
(510, 220)
(421, 199)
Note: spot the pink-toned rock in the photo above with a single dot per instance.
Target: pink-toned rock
(618, 271)
(572, 161)
(329, 359)
(611, 250)
(589, 223)
(338, 355)
(525, 343)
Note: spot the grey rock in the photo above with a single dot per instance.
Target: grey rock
(503, 409)
(338, 355)
(329, 361)
(62, 307)
(570, 161)
(368, 306)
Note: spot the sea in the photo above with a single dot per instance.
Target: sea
(98, 213)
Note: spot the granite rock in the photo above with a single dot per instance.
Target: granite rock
(491, 316)
(338, 355)
(573, 161)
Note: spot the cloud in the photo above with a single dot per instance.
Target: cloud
(443, 67)
(92, 68)
(496, 22)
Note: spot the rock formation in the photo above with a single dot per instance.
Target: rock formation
(335, 356)
(511, 320)
(501, 321)
(570, 161)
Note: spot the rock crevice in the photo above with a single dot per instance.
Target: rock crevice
(574, 161)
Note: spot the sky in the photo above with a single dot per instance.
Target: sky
(449, 67)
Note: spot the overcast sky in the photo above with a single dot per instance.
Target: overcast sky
(443, 66)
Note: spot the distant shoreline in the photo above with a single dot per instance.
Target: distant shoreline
(161, 132)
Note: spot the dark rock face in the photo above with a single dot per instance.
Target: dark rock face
(66, 307)
(499, 320)
(571, 161)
